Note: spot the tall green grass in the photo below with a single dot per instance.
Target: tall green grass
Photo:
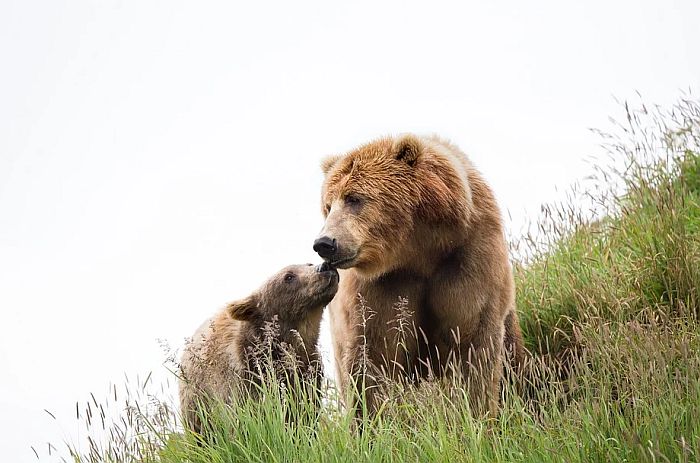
(609, 304)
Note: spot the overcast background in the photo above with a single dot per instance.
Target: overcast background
(158, 159)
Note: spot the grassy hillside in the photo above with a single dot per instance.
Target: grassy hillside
(609, 305)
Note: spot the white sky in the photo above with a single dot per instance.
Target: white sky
(158, 159)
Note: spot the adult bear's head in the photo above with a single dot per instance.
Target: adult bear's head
(383, 196)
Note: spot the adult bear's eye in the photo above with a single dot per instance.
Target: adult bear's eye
(352, 200)
(289, 277)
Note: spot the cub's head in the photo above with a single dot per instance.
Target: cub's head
(372, 198)
(295, 295)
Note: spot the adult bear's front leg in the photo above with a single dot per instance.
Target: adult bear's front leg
(481, 365)
(361, 384)
(469, 304)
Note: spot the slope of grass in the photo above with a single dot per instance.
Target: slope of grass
(609, 307)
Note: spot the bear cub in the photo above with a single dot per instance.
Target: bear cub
(274, 331)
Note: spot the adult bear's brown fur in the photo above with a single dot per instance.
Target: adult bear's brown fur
(411, 217)
(237, 347)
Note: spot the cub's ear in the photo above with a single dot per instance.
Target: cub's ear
(328, 162)
(408, 148)
(244, 310)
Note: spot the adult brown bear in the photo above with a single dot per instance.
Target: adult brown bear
(410, 217)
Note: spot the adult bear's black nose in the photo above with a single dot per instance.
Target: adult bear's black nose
(325, 247)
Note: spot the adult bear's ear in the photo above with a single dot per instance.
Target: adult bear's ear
(408, 149)
(244, 310)
(328, 162)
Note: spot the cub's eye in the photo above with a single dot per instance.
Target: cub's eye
(352, 200)
(289, 277)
